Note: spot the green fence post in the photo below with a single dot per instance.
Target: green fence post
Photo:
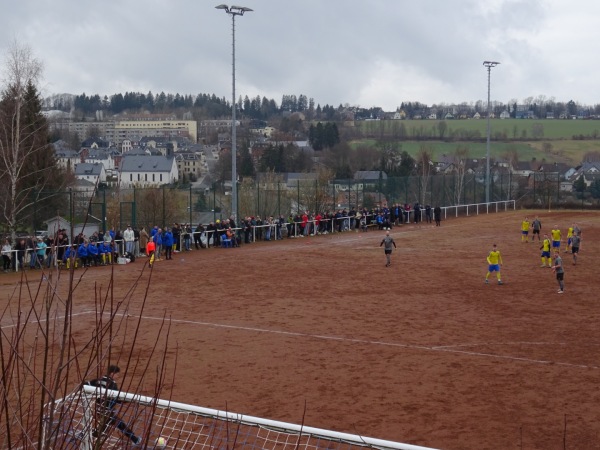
(133, 208)
(190, 221)
(164, 214)
(278, 198)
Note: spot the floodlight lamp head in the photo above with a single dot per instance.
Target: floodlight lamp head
(490, 63)
(239, 10)
(225, 7)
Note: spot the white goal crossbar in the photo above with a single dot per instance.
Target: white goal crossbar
(182, 426)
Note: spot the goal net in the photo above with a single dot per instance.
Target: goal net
(98, 418)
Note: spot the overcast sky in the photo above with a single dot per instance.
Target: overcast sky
(363, 53)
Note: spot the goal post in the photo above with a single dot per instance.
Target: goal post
(185, 426)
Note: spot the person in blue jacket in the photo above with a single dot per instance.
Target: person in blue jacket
(105, 251)
(167, 243)
(93, 254)
(70, 254)
(82, 254)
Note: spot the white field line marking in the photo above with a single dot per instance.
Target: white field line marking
(382, 343)
(44, 320)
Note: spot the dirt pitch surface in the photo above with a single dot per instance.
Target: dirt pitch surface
(422, 352)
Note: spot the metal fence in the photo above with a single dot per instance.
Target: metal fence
(166, 205)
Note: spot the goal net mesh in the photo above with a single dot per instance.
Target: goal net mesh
(98, 418)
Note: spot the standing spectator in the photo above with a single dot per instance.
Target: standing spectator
(536, 225)
(136, 245)
(290, 226)
(40, 252)
(20, 250)
(198, 235)
(158, 242)
(31, 252)
(119, 245)
(176, 232)
(305, 225)
(187, 237)
(247, 227)
(50, 251)
(388, 243)
(144, 238)
(210, 234)
(428, 213)
(437, 215)
(6, 254)
(559, 270)
(167, 243)
(417, 209)
(62, 242)
(494, 261)
(129, 238)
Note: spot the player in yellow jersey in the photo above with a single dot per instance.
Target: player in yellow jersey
(525, 230)
(556, 236)
(494, 261)
(545, 248)
(569, 239)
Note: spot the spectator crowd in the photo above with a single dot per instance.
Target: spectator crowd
(115, 246)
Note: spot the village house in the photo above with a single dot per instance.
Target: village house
(147, 171)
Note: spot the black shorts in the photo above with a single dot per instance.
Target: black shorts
(560, 276)
(536, 231)
(574, 250)
(388, 252)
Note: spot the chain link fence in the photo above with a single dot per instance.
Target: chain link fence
(117, 208)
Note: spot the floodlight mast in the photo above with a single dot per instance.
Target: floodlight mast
(233, 11)
(488, 65)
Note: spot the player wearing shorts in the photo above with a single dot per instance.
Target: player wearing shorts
(537, 227)
(494, 261)
(388, 243)
(559, 270)
(575, 241)
(545, 248)
(569, 237)
(525, 230)
(577, 232)
(556, 236)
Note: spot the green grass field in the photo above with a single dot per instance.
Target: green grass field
(512, 128)
(555, 144)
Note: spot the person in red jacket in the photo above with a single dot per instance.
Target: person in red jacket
(150, 248)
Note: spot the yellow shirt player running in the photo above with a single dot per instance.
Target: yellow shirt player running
(525, 230)
(545, 248)
(494, 261)
(556, 236)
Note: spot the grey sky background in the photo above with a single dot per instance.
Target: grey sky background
(361, 53)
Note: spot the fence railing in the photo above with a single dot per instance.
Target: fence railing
(31, 257)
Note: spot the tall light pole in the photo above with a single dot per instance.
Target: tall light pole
(233, 11)
(489, 65)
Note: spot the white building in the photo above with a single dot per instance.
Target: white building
(147, 171)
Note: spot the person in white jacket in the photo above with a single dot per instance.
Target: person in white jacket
(129, 238)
